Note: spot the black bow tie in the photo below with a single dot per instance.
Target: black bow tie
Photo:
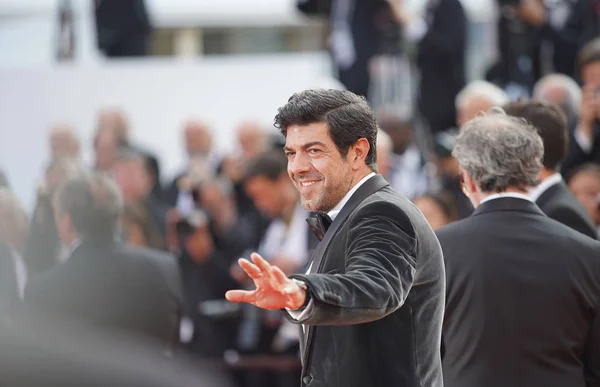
(319, 222)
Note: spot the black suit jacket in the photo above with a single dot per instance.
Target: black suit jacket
(560, 204)
(522, 300)
(441, 61)
(377, 287)
(581, 26)
(113, 287)
(374, 31)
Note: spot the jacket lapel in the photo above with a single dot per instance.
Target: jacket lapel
(368, 188)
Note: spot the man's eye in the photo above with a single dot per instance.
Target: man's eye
(313, 151)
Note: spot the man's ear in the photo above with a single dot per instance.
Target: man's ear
(358, 153)
(468, 184)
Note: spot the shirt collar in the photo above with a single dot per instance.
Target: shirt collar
(548, 182)
(506, 195)
(336, 210)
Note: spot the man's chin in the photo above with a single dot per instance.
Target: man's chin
(309, 204)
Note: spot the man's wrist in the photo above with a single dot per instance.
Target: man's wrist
(304, 290)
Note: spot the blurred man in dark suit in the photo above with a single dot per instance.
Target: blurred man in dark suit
(359, 30)
(441, 38)
(105, 284)
(584, 146)
(523, 290)
(552, 194)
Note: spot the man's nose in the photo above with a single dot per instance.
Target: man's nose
(299, 164)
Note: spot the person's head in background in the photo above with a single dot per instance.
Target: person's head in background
(476, 98)
(268, 185)
(132, 176)
(113, 120)
(14, 222)
(498, 153)
(197, 138)
(253, 139)
(106, 150)
(398, 125)
(138, 228)
(385, 147)
(551, 125)
(446, 164)
(562, 91)
(88, 208)
(584, 183)
(58, 171)
(64, 142)
(438, 208)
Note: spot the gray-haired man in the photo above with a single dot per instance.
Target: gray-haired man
(523, 291)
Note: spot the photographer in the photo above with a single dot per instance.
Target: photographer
(584, 144)
(206, 234)
(519, 40)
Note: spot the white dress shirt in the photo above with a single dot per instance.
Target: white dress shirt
(500, 195)
(548, 182)
(298, 315)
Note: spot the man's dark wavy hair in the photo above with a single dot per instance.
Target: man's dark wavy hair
(348, 116)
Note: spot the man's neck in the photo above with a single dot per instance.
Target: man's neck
(359, 176)
(510, 191)
(546, 173)
(353, 187)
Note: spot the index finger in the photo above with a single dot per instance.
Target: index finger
(250, 269)
(262, 264)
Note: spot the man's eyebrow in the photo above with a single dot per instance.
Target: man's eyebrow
(305, 146)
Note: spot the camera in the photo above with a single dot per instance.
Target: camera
(195, 220)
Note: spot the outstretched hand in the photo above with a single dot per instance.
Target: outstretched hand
(273, 289)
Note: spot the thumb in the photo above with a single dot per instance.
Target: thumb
(239, 295)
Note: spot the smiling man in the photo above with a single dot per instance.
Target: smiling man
(371, 304)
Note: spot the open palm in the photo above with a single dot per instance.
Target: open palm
(273, 289)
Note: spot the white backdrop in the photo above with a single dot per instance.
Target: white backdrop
(157, 95)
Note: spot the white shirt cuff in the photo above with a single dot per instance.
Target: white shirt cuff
(299, 315)
(583, 141)
(415, 30)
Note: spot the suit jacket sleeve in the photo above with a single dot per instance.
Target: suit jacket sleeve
(380, 261)
(447, 33)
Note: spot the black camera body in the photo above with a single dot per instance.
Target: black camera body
(195, 220)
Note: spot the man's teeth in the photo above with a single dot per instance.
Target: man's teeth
(307, 183)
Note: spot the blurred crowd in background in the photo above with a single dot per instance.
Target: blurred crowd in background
(221, 207)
